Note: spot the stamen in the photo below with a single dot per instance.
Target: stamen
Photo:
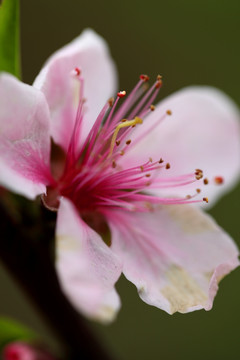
(218, 180)
(76, 72)
(121, 94)
(198, 174)
(205, 199)
(205, 181)
(143, 77)
(152, 107)
(167, 166)
(198, 191)
(128, 142)
(161, 161)
(169, 112)
(126, 123)
(111, 101)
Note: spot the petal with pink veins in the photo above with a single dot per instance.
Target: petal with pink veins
(24, 138)
(175, 256)
(202, 132)
(86, 266)
(90, 54)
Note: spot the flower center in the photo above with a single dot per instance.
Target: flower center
(93, 177)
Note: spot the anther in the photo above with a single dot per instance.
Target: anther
(152, 107)
(159, 77)
(169, 112)
(114, 164)
(198, 191)
(121, 94)
(167, 166)
(205, 199)
(188, 197)
(205, 181)
(148, 175)
(218, 180)
(198, 174)
(123, 120)
(111, 101)
(161, 161)
(118, 142)
(141, 168)
(150, 160)
(77, 71)
(122, 153)
(128, 142)
(148, 183)
(143, 77)
(158, 84)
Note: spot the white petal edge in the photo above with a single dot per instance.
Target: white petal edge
(24, 138)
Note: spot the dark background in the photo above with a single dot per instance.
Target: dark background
(188, 42)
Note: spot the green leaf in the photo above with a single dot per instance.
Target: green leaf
(9, 37)
(11, 330)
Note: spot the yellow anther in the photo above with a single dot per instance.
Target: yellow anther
(126, 123)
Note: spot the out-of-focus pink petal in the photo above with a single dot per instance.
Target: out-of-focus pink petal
(24, 138)
(202, 132)
(90, 54)
(23, 351)
(86, 266)
(175, 256)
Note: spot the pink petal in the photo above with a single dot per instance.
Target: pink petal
(175, 256)
(86, 266)
(24, 351)
(24, 138)
(202, 132)
(90, 53)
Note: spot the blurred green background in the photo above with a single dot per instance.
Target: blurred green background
(188, 42)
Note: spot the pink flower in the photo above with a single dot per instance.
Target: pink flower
(24, 351)
(133, 183)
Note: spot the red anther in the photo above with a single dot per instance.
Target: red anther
(158, 84)
(78, 71)
(145, 78)
(121, 94)
(218, 180)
